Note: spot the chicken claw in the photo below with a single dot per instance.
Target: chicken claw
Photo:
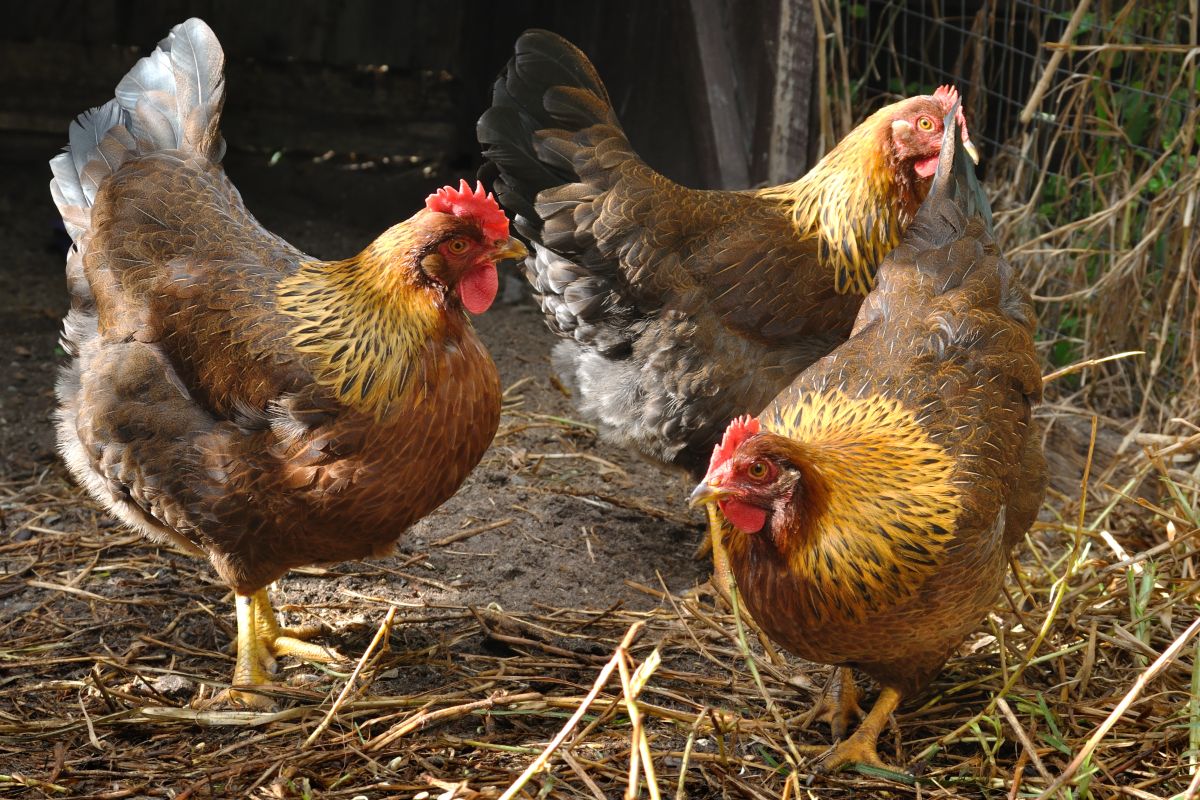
(839, 704)
(260, 640)
(274, 640)
(860, 748)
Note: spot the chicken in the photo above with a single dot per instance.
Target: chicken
(233, 396)
(870, 509)
(679, 308)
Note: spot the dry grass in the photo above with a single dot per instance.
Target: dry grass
(1082, 681)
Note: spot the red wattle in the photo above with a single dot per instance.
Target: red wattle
(478, 287)
(743, 516)
(926, 166)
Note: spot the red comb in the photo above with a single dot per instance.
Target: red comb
(948, 96)
(741, 429)
(477, 204)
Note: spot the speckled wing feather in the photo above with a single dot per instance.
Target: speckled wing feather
(184, 265)
(942, 355)
(669, 298)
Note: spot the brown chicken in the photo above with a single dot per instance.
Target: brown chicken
(681, 308)
(870, 510)
(235, 397)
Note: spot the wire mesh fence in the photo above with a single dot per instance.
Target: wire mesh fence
(1087, 113)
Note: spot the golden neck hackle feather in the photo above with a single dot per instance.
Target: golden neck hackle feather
(849, 202)
(376, 335)
(881, 505)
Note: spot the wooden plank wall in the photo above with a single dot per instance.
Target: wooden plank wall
(713, 93)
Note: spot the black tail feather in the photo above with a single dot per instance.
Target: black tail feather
(548, 85)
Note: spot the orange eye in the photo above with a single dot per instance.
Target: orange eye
(758, 470)
(925, 124)
(458, 246)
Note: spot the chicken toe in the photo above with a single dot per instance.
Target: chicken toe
(839, 705)
(860, 748)
(260, 640)
(275, 641)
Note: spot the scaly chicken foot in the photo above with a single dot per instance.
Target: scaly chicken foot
(839, 704)
(260, 640)
(276, 641)
(861, 747)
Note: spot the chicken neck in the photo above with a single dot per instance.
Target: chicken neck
(855, 201)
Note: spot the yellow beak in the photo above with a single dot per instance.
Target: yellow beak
(512, 249)
(706, 493)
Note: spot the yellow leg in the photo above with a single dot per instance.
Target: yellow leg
(248, 669)
(260, 640)
(279, 641)
(839, 706)
(860, 748)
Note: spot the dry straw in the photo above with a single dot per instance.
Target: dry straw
(1084, 682)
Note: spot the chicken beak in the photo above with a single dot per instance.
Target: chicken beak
(969, 146)
(706, 493)
(512, 249)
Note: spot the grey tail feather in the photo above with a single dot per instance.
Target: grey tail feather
(547, 85)
(170, 100)
(954, 185)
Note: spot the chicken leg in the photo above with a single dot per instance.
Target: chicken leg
(839, 705)
(260, 640)
(860, 748)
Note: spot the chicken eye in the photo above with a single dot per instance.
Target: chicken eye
(758, 470)
(925, 124)
(458, 246)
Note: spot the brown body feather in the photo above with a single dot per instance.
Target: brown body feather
(681, 308)
(231, 394)
(896, 474)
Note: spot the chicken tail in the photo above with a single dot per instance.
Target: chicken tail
(170, 100)
(549, 112)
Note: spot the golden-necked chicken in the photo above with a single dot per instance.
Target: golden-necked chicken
(680, 308)
(870, 509)
(233, 395)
